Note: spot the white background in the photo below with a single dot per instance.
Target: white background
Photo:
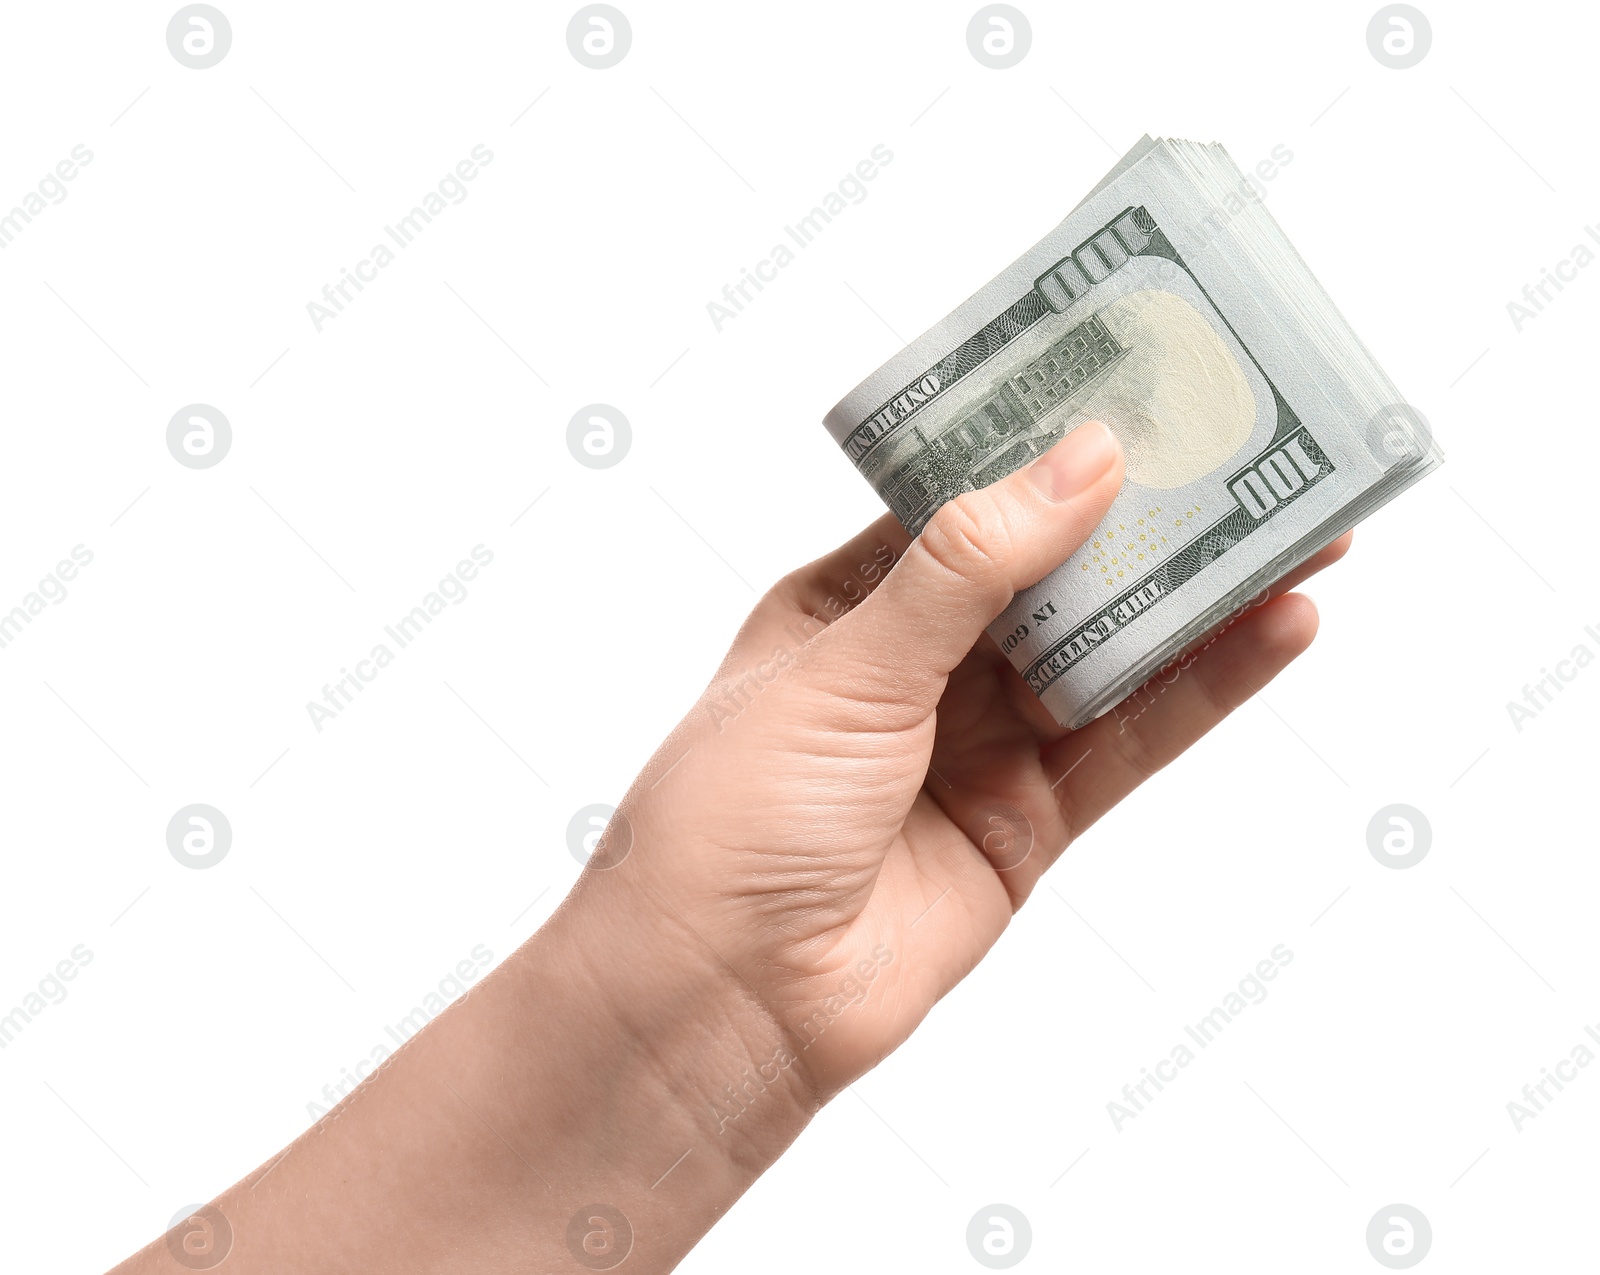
(430, 816)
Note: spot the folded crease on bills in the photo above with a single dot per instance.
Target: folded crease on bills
(1257, 427)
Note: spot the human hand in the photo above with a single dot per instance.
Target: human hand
(849, 817)
(835, 834)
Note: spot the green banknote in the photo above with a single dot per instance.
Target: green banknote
(1256, 426)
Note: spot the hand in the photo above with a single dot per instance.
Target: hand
(831, 839)
(851, 814)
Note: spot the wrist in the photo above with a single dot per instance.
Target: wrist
(700, 1037)
(656, 1081)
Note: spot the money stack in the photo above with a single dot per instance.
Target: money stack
(1257, 427)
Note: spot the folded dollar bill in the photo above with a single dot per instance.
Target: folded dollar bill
(1257, 427)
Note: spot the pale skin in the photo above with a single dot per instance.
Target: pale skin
(829, 841)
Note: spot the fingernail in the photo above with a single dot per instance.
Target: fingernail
(1076, 463)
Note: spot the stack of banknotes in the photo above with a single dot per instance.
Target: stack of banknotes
(1257, 427)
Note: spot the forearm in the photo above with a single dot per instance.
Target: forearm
(583, 1072)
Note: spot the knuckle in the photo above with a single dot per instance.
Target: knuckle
(789, 593)
(774, 604)
(1219, 696)
(969, 538)
(779, 595)
(1139, 754)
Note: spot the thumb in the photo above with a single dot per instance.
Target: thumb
(973, 556)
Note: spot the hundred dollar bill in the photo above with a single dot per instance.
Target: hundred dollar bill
(1257, 427)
